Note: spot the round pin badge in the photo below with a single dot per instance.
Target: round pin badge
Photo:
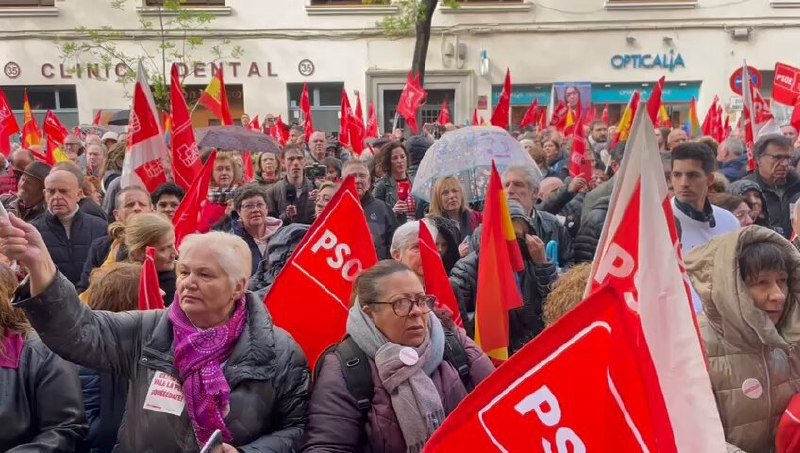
(752, 388)
(409, 356)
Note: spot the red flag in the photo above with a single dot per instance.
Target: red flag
(636, 255)
(359, 111)
(444, 114)
(654, 103)
(543, 119)
(502, 112)
(531, 115)
(279, 131)
(305, 108)
(186, 163)
(98, 118)
(436, 281)
(795, 121)
(254, 125)
(579, 165)
(497, 285)
(537, 399)
(606, 118)
(187, 216)
(323, 281)
(356, 132)
(8, 125)
(215, 99)
(411, 100)
(626, 122)
(150, 297)
(54, 129)
(559, 118)
(372, 122)
(593, 116)
(707, 127)
(344, 114)
(31, 133)
(475, 121)
(146, 146)
(726, 129)
(249, 170)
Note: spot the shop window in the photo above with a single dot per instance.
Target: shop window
(61, 99)
(25, 3)
(188, 2)
(326, 103)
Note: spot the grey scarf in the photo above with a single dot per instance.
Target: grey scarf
(415, 400)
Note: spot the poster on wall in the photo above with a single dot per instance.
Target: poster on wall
(573, 93)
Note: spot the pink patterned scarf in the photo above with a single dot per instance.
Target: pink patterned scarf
(11, 349)
(199, 355)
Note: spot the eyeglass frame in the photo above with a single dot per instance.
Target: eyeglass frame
(417, 301)
(779, 159)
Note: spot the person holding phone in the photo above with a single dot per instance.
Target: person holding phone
(395, 187)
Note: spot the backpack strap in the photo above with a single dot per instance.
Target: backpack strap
(456, 356)
(357, 373)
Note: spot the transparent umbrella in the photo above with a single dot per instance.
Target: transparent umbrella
(467, 154)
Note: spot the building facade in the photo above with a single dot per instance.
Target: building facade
(604, 48)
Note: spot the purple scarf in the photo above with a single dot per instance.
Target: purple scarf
(199, 356)
(11, 349)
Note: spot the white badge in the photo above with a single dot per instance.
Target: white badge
(409, 356)
(752, 388)
(165, 395)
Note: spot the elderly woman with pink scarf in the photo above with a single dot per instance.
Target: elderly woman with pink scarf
(212, 361)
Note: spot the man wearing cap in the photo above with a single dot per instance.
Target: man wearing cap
(66, 230)
(109, 139)
(28, 204)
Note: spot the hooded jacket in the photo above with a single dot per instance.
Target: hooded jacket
(743, 186)
(754, 365)
(777, 201)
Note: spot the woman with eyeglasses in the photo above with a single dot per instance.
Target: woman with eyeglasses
(399, 372)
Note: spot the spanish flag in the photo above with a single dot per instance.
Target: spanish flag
(54, 154)
(569, 129)
(625, 123)
(215, 99)
(499, 259)
(663, 116)
(31, 134)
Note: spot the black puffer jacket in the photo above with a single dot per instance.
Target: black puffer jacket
(71, 253)
(40, 403)
(524, 323)
(104, 396)
(382, 222)
(267, 371)
(279, 249)
(588, 236)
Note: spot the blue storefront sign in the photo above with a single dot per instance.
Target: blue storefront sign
(669, 61)
(524, 94)
(620, 93)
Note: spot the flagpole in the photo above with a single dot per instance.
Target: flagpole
(394, 122)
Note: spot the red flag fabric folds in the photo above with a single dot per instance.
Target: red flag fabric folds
(320, 273)
(444, 114)
(249, 169)
(579, 165)
(559, 118)
(305, 108)
(436, 281)
(98, 118)
(150, 297)
(187, 216)
(54, 129)
(31, 133)
(372, 122)
(654, 103)
(8, 124)
(186, 164)
(531, 115)
(502, 112)
(411, 100)
(344, 115)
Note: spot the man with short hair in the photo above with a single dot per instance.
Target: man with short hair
(20, 159)
(166, 199)
(675, 138)
(692, 174)
(73, 148)
(598, 136)
(522, 185)
(789, 131)
(95, 160)
(291, 199)
(316, 146)
(732, 158)
(381, 219)
(297, 136)
(66, 231)
(85, 203)
(28, 204)
(778, 181)
(130, 201)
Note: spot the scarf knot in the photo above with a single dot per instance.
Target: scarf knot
(199, 355)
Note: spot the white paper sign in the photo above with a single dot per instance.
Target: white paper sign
(165, 395)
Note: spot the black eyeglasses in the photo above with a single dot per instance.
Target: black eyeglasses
(402, 306)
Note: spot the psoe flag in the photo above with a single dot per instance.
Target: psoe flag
(580, 386)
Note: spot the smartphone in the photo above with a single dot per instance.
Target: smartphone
(213, 443)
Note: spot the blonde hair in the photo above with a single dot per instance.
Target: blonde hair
(11, 319)
(567, 293)
(238, 170)
(115, 288)
(145, 230)
(232, 253)
(441, 184)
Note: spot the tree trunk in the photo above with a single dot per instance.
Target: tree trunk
(423, 33)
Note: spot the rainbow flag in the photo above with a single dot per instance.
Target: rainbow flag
(692, 126)
(31, 133)
(499, 260)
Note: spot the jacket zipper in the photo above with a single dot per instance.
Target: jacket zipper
(768, 388)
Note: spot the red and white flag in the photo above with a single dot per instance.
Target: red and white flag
(147, 148)
(639, 234)
(186, 164)
(321, 272)
(372, 122)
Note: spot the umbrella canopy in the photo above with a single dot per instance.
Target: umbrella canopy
(120, 118)
(467, 154)
(236, 138)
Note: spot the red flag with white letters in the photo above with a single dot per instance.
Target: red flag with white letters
(320, 274)
(186, 164)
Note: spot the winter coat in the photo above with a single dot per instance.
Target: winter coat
(525, 322)
(277, 204)
(734, 169)
(596, 196)
(88, 206)
(8, 181)
(279, 249)
(382, 222)
(70, 254)
(104, 396)
(40, 403)
(745, 349)
(112, 189)
(559, 169)
(588, 236)
(335, 423)
(12, 204)
(777, 202)
(386, 191)
(267, 371)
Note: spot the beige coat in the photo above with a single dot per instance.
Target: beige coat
(745, 350)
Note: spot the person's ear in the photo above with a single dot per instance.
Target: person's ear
(396, 255)
(711, 178)
(367, 309)
(239, 288)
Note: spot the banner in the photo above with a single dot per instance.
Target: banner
(786, 86)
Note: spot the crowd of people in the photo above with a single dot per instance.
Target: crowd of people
(83, 370)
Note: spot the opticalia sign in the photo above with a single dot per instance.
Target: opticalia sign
(648, 61)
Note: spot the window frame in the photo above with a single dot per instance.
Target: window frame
(649, 4)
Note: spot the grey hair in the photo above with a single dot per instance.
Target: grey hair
(532, 177)
(735, 146)
(407, 233)
(232, 253)
(777, 140)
